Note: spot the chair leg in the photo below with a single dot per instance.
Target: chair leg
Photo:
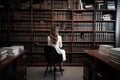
(61, 72)
(50, 67)
(46, 70)
(54, 72)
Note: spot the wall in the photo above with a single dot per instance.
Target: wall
(118, 25)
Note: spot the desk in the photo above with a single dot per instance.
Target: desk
(13, 67)
(100, 67)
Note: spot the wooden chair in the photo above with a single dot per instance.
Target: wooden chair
(52, 58)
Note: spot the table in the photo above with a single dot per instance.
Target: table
(100, 67)
(13, 67)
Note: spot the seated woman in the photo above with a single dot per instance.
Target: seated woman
(55, 40)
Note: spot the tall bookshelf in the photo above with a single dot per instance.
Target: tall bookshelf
(83, 25)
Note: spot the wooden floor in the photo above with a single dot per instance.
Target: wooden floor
(70, 73)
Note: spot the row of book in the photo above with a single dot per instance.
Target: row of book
(66, 48)
(78, 37)
(42, 15)
(21, 26)
(66, 37)
(99, 15)
(83, 26)
(40, 37)
(24, 36)
(60, 4)
(27, 25)
(63, 25)
(87, 37)
(43, 37)
(62, 15)
(19, 4)
(104, 37)
(41, 26)
(104, 16)
(68, 4)
(83, 16)
(104, 26)
(82, 37)
(36, 58)
(39, 47)
(76, 47)
(99, 26)
(47, 4)
(81, 47)
(21, 15)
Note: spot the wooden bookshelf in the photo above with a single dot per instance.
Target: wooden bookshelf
(81, 23)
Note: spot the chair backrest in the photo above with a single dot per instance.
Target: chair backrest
(51, 55)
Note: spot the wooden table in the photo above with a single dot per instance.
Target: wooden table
(13, 67)
(100, 67)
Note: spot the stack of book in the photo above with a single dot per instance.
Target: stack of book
(3, 54)
(14, 50)
(111, 5)
(105, 49)
(115, 55)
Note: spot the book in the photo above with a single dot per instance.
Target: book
(111, 5)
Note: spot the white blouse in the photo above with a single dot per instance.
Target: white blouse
(58, 43)
(57, 46)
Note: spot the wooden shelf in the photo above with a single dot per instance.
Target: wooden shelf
(79, 28)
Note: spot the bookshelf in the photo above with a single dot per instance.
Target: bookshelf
(83, 25)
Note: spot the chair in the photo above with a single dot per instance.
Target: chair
(52, 58)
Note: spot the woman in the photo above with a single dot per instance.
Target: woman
(55, 40)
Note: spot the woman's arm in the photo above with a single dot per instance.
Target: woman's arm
(60, 41)
(48, 39)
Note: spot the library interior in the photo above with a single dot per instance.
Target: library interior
(86, 38)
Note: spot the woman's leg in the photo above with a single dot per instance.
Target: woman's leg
(60, 66)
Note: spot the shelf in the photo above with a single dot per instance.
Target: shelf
(62, 20)
(81, 27)
(105, 41)
(21, 20)
(83, 31)
(83, 20)
(21, 30)
(19, 10)
(62, 9)
(105, 10)
(105, 20)
(20, 41)
(105, 31)
(83, 10)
